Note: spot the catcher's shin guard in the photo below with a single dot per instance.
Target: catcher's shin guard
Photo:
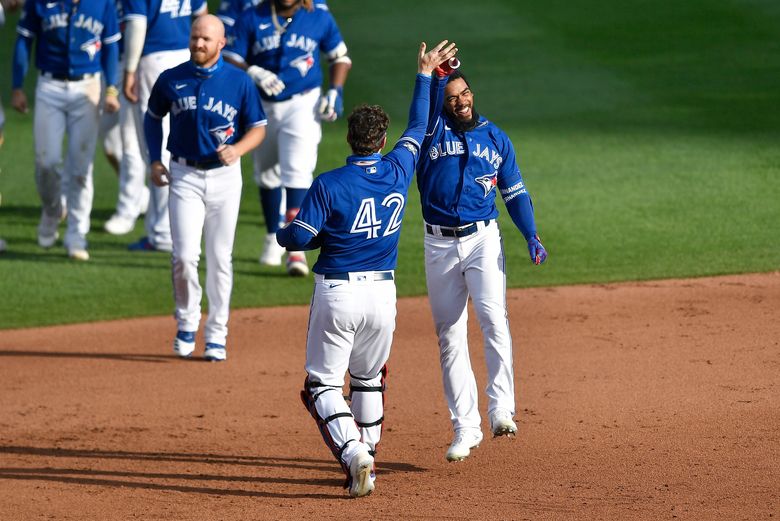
(367, 398)
(334, 419)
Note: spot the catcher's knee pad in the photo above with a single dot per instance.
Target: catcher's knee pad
(334, 419)
(367, 398)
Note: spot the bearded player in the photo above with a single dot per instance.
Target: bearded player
(466, 161)
(354, 215)
(216, 117)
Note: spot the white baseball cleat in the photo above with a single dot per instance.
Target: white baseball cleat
(296, 264)
(272, 252)
(360, 471)
(215, 352)
(465, 440)
(118, 225)
(501, 423)
(184, 343)
(78, 254)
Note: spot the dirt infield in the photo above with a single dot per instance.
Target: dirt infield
(635, 401)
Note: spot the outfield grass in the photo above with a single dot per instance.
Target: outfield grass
(648, 135)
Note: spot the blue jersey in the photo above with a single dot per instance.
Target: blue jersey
(460, 172)
(72, 37)
(292, 54)
(354, 213)
(208, 107)
(229, 10)
(167, 22)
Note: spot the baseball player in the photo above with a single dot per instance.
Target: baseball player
(77, 41)
(279, 43)
(216, 117)
(10, 5)
(466, 160)
(354, 214)
(122, 137)
(156, 39)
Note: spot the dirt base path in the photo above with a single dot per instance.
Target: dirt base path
(635, 401)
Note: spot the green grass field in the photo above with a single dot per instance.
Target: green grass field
(648, 135)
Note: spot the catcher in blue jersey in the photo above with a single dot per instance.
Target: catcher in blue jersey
(279, 42)
(76, 44)
(466, 160)
(353, 214)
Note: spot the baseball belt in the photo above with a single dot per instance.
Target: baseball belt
(378, 275)
(67, 77)
(460, 231)
(200, 165)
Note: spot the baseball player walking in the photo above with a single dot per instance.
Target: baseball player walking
(156, 39)
(279, 43)
(466, 160)
(133, 195)
(354, 214)
(10, 5)
(76, 42)
(216, 117)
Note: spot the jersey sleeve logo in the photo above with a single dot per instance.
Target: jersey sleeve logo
(488, 182)
(303, 63)
(91, 47)
(223, 133)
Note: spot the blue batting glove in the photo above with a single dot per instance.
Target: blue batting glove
(536, 250)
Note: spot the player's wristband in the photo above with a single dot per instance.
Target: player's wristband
(111, 90)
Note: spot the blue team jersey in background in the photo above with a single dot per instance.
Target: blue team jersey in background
(208, 108)
(459, 172)
(70, 35)
(229, 10)
(354, 213)
(167, 22)
(294, 55)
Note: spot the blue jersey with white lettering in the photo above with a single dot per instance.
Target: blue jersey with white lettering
(167, 22)
(293, 53)
(229, 10)
(208, 108)
(71, 36)
(459, 172)
(354, 212)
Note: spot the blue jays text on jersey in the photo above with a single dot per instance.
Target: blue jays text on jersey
(459, 172)
(454, 196)
(354, 213)
(167, 22)
(74, 38)
(292, 54)
(208, 107)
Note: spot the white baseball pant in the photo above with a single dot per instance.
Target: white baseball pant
(456, 268)
(157, 223)
(204, 202)
(108, 132)
(351, 325)
(288, 154)
(72, 108)
(132, 191)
